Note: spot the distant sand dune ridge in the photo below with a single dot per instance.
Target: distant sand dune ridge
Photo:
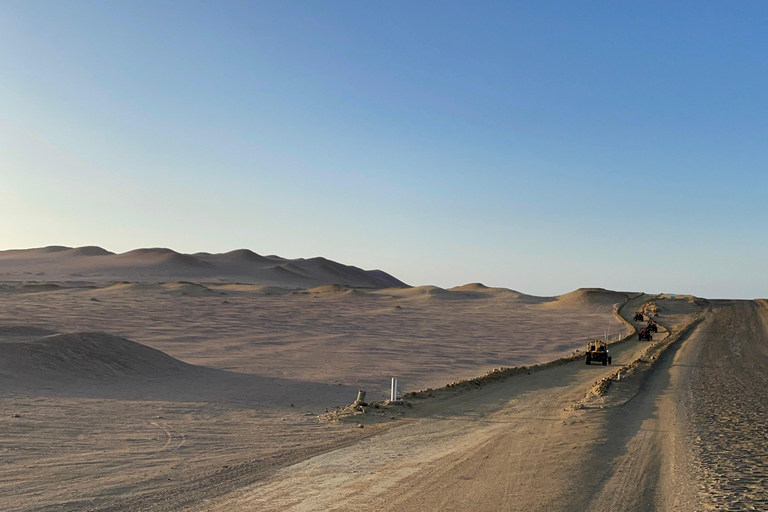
(588, 297)
(59, 263)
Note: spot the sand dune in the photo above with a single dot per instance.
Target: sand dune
(101, 365)
(335, 290)
(467, 291)
(159, 257)
(423, 292)
(242, 288)
(588, 297)
(90, 251)
(84, 355)
(59, 263)
(480, 290)
(177, 287)
(237, 256)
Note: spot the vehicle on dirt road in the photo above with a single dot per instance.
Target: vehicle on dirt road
(598, 351)
(638, 317)
(653, 326)
(644, 334)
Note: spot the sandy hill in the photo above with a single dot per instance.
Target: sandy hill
(85, 355)
(464, 292)
(480, 290)
(588, 297)
(58, 263)
(101, 365)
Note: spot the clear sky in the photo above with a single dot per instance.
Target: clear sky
(541, 146)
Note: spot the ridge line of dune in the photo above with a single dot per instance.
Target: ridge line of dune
(62, 263)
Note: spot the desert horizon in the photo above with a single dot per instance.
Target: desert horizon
(211, 394)
(67, 264)
(291, 256)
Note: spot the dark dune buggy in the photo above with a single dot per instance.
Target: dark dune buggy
(644, 334)
(598, 351)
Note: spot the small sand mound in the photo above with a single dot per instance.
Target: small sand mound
(330, 288)
(480, 291)
(187, 288)
(588, 297)
(52, 249)
(470, 287)
(245, 255)
(131, 287)
(180, 287)
(499, 292)
(472, 291)
(422, 292)
(85, 355)
(250, 288)
(90, 250)
(336, 290)
(271, 290)
(256, 289)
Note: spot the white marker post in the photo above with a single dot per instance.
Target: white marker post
(393, 391)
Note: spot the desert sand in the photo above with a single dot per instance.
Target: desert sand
(150, 386)
(94, 264)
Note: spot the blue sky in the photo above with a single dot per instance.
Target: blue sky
(541, 146)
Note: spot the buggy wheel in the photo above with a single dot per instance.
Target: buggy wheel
(589, 360)
(605, 362)
(609, 360)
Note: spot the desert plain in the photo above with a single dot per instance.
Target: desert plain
(153, 380)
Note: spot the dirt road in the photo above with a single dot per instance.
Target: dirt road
(729, 407)
(692, 438)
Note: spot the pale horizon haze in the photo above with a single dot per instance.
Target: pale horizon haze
(539, 146)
